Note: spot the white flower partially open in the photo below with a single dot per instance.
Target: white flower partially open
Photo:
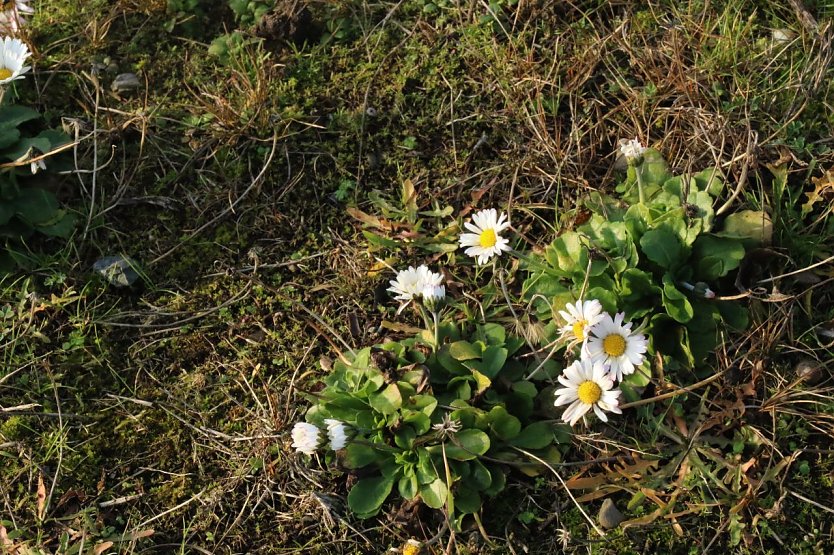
(615, 345)
(587, 385)
(434, 297)
(580, 316)
(412, 282)
(485, 240)
(337, 433)
(13, 54)
(305, 438)
(631, 149)
(37, 165)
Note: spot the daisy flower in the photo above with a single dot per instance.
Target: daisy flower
(13, 53)
(580, 317)
(631, 149)
(337, 433)
(305, 438)
(485, 240)
(411, 283)
(615, 345)
(11, 19)
(412, 547)
(587, 384)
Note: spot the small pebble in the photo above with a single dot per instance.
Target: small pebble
(125, 83)
(809, 371)
(609, 516)
(783, 35)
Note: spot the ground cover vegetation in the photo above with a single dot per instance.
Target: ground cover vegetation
(416, 277)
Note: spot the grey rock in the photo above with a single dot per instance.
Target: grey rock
(609, 516)
(809, 371)
(118, 270)
(125, 83)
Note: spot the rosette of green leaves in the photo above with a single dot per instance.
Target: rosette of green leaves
(249, 12)
(25, 206)
(397, 394)
(642, 258)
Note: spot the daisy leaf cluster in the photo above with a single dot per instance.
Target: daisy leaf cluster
(441, 417)
(655, 252)
(27, 206)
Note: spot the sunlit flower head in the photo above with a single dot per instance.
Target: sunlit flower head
(11, 15)
(412, 547)
(587, 385)
(580, 316)
(305, 438)
(412, 282)
(485, 239)
(336, 433)
(13, 54)
(615, 345)
(631, 149)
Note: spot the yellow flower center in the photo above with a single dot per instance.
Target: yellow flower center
(5, 73)
(589, 392)
(579, 329)
(488, 238)
(614, 345)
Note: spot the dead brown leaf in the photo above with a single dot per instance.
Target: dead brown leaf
(41, 497)
(102, 547)
(823, 191)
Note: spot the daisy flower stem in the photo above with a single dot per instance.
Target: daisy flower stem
(426, 319)
(436, 316)
(640, 194)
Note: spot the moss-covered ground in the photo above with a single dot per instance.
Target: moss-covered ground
(155, 418)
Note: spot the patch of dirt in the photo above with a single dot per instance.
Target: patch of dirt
(289, 21)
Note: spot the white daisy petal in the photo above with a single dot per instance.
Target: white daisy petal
(566, 398)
